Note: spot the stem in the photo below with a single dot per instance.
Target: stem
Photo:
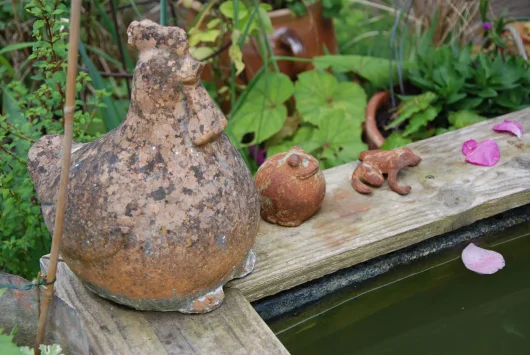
(163, 12)
(120, 47)
(107, 74)
(69, 108)
(19, 28)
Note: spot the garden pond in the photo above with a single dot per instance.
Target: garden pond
(430, 306)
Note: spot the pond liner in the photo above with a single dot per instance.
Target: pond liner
(287, 301)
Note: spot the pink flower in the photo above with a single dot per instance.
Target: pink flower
(485, 153)
(509, 126)
(482, 261)
(487, 26)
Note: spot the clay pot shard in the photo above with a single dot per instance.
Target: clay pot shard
(162, 211)
(375, 163)
(291, 187)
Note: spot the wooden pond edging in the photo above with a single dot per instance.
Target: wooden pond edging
(350, 228)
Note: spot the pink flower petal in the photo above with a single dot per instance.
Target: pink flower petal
(469, 146)
(486, 153)
(482, 261)
(509, 126)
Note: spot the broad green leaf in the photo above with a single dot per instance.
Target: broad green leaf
(319, 93)
(302, 138)
(395, 140)
(263, 112)
(3, 290)
(7, 347)
(461, 119)
(420, 119)
(340, 138)
(227, 9)
(375, 70)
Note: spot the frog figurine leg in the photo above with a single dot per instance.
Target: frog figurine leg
(368, 173)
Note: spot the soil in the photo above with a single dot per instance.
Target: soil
(383, 117)
(384, 114)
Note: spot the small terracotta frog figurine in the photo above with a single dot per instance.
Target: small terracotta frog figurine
(291, 187)
(375, 163)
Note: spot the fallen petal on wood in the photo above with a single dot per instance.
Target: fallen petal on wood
(509, 126)
(486, 153)
(469, 146)
(482, 261)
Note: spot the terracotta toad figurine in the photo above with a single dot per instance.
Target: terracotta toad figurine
(162, 211)
(375, 163)
(291, 187)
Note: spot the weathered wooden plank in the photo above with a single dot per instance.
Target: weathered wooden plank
(350, 228)
(234, 328)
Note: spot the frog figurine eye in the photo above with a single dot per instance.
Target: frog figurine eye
(294, 160)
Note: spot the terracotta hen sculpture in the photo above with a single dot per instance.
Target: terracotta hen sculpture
(162, 211)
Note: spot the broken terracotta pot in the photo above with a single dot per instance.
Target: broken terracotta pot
(375, 163)
(291, 187)
(162, 211)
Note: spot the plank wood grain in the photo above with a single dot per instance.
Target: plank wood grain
(234, 328)
(350, 228)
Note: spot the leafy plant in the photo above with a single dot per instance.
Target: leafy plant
(326, 123)
(27, 115)
(7, 347)
(459, 89)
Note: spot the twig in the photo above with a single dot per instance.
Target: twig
(19, 28)
(217, 52)
(69, 108)
(120, 47)
(107, 74)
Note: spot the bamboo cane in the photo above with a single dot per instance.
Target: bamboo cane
(69, 108)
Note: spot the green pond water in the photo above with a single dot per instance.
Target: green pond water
(434, 306)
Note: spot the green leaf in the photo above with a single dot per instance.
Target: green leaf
(395, 140)
(235, 54)
(420, 119)
(461, 119)
(197, 36)
(487, 92)
(227, 9)
(375, 70)
(213, 23)
(263, 112)
(17, 46)
(319, 93)
(7, 347)
(340, 137)
(411, 106)
(265, 20)
(200, 53)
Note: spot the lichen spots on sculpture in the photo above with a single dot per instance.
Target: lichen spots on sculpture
(148, 199)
